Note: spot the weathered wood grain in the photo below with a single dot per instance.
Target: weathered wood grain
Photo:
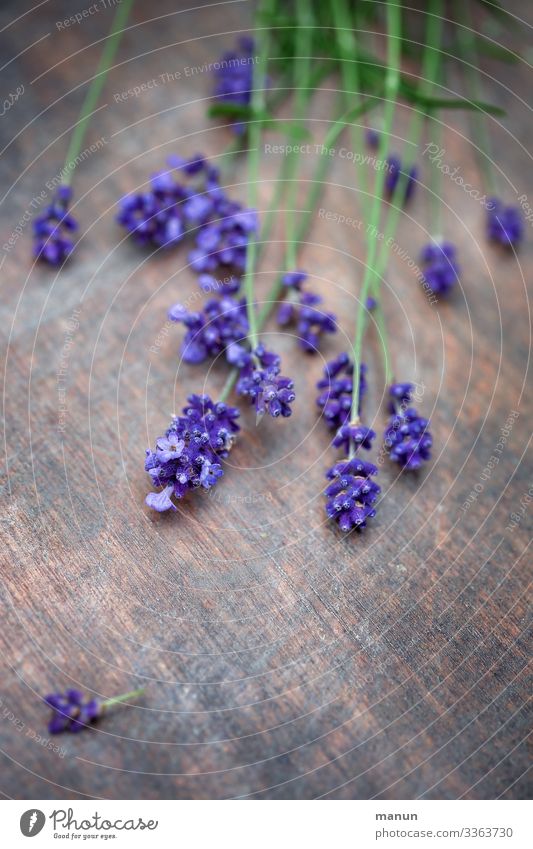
(280, 660)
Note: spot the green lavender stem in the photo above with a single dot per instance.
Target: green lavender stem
(478, 121)
(350, 70)
(125, 697)
(95, 88)
(254, 136)
(429, 75)
(304, 42)
(392, 81)
(317, 184)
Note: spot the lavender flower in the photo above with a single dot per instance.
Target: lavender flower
(222, 241)
(260, 380)
(70, 712)
(53, 227)
(234, 78)
(394, 170)
(407, 438)
(372, 138)
(301, 309)
(221, 323)
(354, 435)
(352, 494)
(337, 384)
(161, 216)
(440, 268)
(504, 223)
(186, 457)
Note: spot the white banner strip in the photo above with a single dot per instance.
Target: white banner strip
(268, 824)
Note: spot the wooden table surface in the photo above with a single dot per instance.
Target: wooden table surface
(280, 659)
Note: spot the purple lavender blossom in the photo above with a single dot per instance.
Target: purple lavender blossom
(70, 712)
(335, 399)
(504, 223)
(407, 437)
(222, 241)
(371, 303)
(394, 170)
(187, 199)
(300, 309)
(260, 380)
(354, 436)
(352, 494)
(53, 227)
(210, 332)
(161, 216)
(440, 269)
(186, 457)
(372, 138)
(234, 78)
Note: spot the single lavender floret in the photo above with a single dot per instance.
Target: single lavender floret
(335, 399)
(52, 229)
(234, 78)
(394, 170)
(505, 224)
(186, 457)
(351, 496)
(407, 437)
(210, 332)
(300, 309)
(70, 712)
(440, 268)
(260, 380)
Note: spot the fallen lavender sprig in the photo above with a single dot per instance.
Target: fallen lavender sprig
(71, 712)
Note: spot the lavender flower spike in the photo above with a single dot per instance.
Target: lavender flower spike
(352, 494)
(407, 437)
(234, 78)
(221, 323)
(52, 229)
(392, 177)
(440, 269)
(301, 309)
(260, 380)
(187, 456)
(335, 399)
(504, 223)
